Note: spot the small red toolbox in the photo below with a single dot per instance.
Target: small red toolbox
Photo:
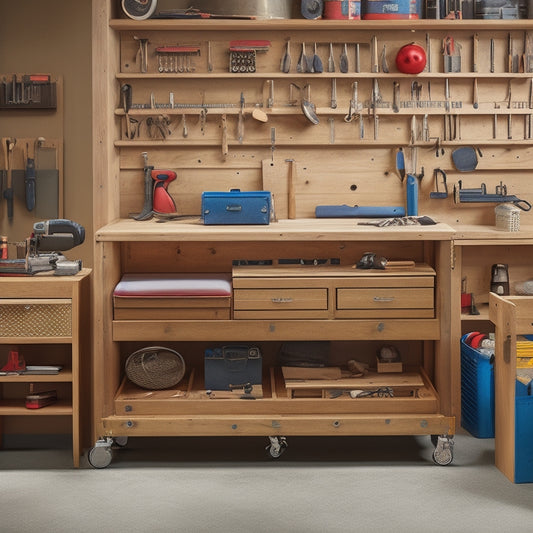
(37, 400)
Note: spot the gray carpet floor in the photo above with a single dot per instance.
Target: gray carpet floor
(347, 484)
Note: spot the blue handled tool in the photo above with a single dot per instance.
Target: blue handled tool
(356, 211)
(412, 196)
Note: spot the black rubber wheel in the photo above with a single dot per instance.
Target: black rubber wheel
(272, 453)
(444, 458)
(100, 456)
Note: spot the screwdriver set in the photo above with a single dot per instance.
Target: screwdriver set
(28, 91)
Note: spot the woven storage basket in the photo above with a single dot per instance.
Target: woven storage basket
(155, 367)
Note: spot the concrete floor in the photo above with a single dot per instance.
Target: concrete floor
(229, 485)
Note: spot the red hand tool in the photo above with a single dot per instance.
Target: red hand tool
(163, 202)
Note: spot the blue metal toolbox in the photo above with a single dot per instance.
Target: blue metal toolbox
(236, 207)
(232, 366)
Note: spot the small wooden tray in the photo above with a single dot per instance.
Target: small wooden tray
(406, 380)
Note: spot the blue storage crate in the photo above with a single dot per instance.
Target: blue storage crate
(477, 392)
(523, 470)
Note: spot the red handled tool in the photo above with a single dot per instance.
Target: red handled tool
(163, 202)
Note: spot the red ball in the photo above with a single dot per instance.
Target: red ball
(411, 59)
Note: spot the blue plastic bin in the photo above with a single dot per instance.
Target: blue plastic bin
(477, 392)
(523, 439)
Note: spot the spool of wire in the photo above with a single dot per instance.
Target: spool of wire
(312, 9)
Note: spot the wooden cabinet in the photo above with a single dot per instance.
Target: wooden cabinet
(511, 316)
(46, 319)
(475, 250)
(256, 130)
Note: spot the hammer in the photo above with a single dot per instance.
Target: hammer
(292, 198)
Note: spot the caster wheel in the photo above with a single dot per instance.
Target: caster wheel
(121, 442)
(276, 447)
(444, 458)
(100, 456)
(443, 453)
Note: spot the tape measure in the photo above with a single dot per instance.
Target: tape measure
(139, 9)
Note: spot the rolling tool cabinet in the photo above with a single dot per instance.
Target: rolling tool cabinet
(45, 318)
(256, 130)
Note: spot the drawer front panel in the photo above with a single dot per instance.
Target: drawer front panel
(35, 318)
(280, 303)
(388, 302)
(277, 299)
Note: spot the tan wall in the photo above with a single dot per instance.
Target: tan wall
(53, 37)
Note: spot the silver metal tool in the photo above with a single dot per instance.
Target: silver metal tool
(209, 62)
(475, 51)
(333, 93)
(331, 121)
(331, 59)
(374, 53)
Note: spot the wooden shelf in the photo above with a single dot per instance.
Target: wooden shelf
(125, 230)
(17, 408)
(478, 235)
(408, 26)
(64, 376)
(483, 314)
(321, 111)
(350, 76)
(188, 397)
(265, 330)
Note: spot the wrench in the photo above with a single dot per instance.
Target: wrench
(352, 112)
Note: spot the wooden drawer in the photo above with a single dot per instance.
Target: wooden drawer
(172, 308)
(386, 298)
(281, 303)
(35, 318)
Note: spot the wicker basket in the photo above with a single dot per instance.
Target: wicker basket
(155, 367)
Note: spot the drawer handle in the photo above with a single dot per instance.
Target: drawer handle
(383, 299)
(281, 300)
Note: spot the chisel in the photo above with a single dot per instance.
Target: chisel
(475, 49)
(225, 136)
(344, 66)
(240, 124)
(331, 59)
(333, 93)
(29, 177)
(374, 53)
(8, 191)
(286, 59)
